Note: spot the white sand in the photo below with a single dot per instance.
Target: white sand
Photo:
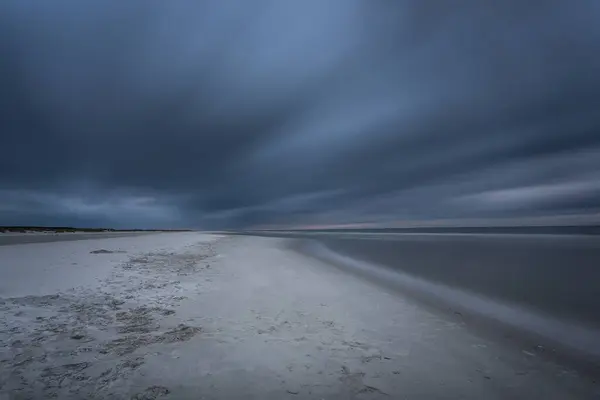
(45, 268)
(193, 316)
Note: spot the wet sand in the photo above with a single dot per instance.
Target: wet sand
(196, 316)
(552, 275)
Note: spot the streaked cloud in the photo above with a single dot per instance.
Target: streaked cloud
(254, 113)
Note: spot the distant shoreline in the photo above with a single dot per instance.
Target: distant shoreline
(587, 230)
(537, 230)
(68, 229)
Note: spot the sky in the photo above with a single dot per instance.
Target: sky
(281, 113)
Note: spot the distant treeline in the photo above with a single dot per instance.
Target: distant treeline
(63, 229)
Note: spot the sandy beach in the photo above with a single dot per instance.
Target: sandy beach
(198, 316)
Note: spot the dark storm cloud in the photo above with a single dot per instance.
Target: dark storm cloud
(281, 112)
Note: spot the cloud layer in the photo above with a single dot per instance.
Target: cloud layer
(275, 113)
